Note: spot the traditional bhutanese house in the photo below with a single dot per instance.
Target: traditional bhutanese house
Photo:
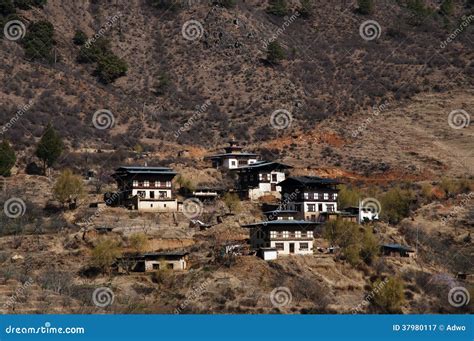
(364, 214)
(287, 236)
(309, 195)
(153, 261)
(397, 250)
(261, 179)
(232, 158)
(146, 188)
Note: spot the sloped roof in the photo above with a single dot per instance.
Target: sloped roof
(283, 223)
(309, 181)
(144, 170)
(265, 165)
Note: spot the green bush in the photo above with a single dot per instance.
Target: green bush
(105, 253)
(7, 158)
(447, 7)
(169, 5)
(275, 52)
(80, 38)
(347, 196)
(306, 9)
(6, 7)
(388, 296)
(110, 67)
(366, 6)
(226, 3)
(27, 4)
(162, 85)
(278, 7)
(396, 204)
(38, 41)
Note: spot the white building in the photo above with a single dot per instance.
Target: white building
(261, 179)
(288, 237)
(309, 196)
(146, 188)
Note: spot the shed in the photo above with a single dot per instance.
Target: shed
(268, 253)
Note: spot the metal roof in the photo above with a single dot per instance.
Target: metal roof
(263, 164)
(310, 180)
(228, 154)
(283, 222)
(145, 170)
(398, 247)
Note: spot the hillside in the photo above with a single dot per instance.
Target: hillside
(330, 74)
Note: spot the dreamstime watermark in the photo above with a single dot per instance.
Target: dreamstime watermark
(281, 119)
(283, 204)
(193, 295)
(458, 297)
(376, 111)
(200, 109)
(192, 30)
(466, 21)
(14, 208)
(369, 297)
(108, 25)
(288, 21)
(370, 30)
(459, 119)
(372, 205)
(281, 297)
(455, 210)
(192, 208)
(20, 112)
(103, 119)
(14, 30)
(18, 293)
(103, 297)
(46, 329)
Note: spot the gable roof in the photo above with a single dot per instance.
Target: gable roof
(307, 181)
(398, 247)
(223, 155)
(290, 222)
(264, 165)
(123, 170)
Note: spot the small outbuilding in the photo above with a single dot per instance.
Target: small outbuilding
(267, 253)
(153, 261)
(397, 250)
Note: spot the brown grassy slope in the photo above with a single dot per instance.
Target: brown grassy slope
(329, 70)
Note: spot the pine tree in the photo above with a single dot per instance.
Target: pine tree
(306, 8)
(7, 158)
(49, 147)
(366, 6)
(447, 7)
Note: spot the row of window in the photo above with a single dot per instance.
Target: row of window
(312, 208)
(302, 246)
(291, 234)
(146, 183)
(262, 177)
(317, 196)
(161, 194)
